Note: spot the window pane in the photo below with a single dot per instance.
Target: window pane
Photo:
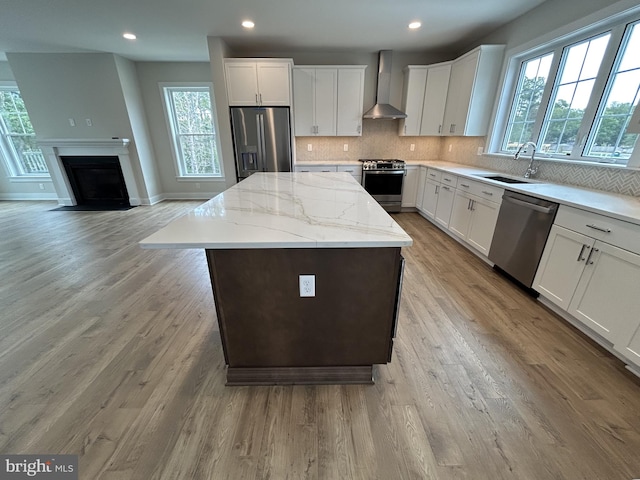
(608, 140)
(533, 78)
(571, 95)
(18, 136)
(192, 119)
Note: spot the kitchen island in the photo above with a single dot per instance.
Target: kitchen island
(260, 237)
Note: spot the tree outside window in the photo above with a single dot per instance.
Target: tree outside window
(191, 120)
(18, 139)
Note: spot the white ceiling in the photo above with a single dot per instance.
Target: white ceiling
(170, 30)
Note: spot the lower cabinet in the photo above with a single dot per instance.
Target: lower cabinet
(410, 186)
(430, 198)
(594, 281)
(446, 194)
(473, 218)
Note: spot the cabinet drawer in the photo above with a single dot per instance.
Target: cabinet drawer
(316, 168)
(610, 230)
(449, 179)
(355, 170)
(433, 174)
(480, 189)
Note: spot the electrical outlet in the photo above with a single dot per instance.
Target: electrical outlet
(450, 146)
(72, 122)
(309, 147)
(480, 150)
(41, 186)
(412, 147)
(307, 285)
(197, 186)
(89, 122)
(346, 147)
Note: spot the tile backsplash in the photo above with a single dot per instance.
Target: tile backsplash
(598, 177)
(380, 140)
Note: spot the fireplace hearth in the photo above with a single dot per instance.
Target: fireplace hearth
(96, 181)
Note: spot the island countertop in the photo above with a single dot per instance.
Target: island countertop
(285, 210)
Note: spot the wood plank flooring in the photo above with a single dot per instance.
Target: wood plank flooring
(112, 352)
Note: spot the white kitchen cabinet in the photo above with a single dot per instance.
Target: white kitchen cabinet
(424, 98)
(315, 93)
(435, 98)
(422, 176)
(354, 170)
(328, 100)
(262, 82)
(410, 186)
(415, 80)
(606, 297)
(472, 88)
(316, 168)
(429, 201)
(446, 195)
(475, 213)
(350, 105)
(593, 280)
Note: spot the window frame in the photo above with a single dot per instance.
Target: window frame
(181, 176)
(9, 154)
(556, 42)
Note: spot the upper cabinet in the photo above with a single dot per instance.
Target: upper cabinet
(261, 82)
(423, 99)
(328, 100)
(350, 100)
(472, 89)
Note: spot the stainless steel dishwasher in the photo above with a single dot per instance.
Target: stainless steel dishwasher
(521, 232)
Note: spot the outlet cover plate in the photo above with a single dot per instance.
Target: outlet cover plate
(307, 285)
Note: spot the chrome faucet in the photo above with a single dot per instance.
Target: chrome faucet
(531, 170)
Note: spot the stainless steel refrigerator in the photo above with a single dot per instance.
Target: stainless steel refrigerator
(261, 139)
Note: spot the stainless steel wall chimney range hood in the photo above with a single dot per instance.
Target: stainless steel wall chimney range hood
(382, 109)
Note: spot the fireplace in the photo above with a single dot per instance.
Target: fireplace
(96, 181)
(84, 171)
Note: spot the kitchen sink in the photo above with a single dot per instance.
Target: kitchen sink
(500, 178)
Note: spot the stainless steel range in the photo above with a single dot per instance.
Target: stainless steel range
(383, 179)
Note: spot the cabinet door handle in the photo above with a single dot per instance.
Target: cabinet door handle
(440, 128)
(487, 193)
(359, 128)
(257, 102)
(473, 204)
(469, 205)
(437, 189)
(447, 179)
(446, 188)
(589, 261)
(464, 185)
(600, 229)
(452, 128)
(432, 175)
(580, 257)
(405, 130)
(260, 99)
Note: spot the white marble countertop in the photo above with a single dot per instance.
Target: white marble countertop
(622, 207)
(285, 210)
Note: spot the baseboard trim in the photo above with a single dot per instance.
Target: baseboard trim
(237, 376)
(28, 196)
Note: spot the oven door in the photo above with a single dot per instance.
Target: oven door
(385, 186)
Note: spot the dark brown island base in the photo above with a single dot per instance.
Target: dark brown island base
(260, 236)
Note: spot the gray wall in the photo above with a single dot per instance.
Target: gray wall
(150, 76)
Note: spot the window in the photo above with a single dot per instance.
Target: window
(191, 122)
(575, 100)
(17, 138)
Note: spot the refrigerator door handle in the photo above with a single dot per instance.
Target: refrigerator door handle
(261, 146)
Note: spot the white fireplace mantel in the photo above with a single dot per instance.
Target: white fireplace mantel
(54, 148)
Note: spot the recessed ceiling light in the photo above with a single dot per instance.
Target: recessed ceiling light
(414, 25)
(248, 24)
(129, 36)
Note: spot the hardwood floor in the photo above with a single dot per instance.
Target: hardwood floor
(112, 352)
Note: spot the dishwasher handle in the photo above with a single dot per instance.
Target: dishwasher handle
(532, 206)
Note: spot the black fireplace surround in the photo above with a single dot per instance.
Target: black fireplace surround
(96, 181)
